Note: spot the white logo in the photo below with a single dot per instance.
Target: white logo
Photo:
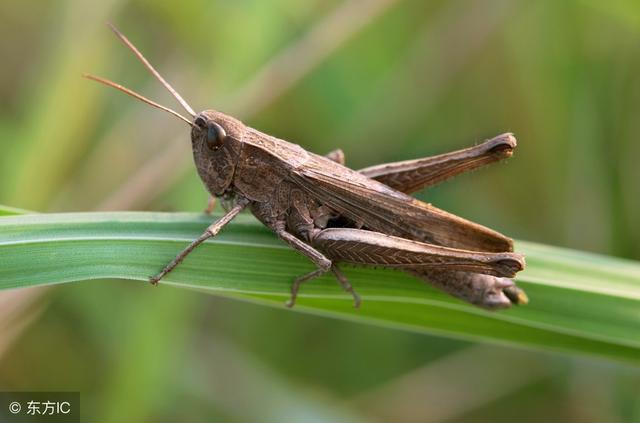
(15, 407)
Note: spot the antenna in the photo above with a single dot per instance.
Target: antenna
(155, 73)
(136, 95)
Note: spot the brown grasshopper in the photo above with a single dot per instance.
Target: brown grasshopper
(333, 214)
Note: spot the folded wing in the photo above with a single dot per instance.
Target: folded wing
(380, 208)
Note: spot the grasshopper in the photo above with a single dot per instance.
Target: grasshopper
(332, 214)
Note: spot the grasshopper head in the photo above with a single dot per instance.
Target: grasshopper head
(215, 137)
(216, 140)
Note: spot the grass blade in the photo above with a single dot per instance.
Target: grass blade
(12, 211)
(580, 303)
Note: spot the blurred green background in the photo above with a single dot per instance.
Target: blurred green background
(384, 80)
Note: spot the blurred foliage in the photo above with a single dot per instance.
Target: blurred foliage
(420, 78)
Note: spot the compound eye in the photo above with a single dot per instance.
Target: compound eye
(215, 136)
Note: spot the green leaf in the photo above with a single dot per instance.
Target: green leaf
(579, 303)
(11, 211)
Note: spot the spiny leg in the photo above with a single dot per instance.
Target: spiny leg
(477, 277)
(323, 263)
(210, 232)
(295, 286)
(342, 279)
(312, 254)
(344, 282)
(372, 248)
(486, 291)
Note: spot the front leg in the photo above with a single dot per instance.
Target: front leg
(210, 232)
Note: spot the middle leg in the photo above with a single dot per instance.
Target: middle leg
(342, 280)
(320, 260)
